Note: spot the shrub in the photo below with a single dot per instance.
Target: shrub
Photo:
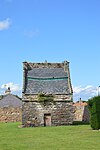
(94, 108)
(44, 97)
(80, 123)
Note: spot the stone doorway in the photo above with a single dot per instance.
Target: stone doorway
(47, 119)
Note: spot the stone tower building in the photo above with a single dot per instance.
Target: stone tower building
(47, 94)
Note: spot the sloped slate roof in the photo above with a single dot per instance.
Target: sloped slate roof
(47, 80)
(47, 72)
(10, 100)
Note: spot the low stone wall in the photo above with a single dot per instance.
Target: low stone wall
(58, 113)
(9, 114)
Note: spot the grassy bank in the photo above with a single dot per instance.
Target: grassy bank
(48, 138)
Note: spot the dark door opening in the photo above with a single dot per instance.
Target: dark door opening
(47, 119)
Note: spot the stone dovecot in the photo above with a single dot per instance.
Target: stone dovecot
(47, 94)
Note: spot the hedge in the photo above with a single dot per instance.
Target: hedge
(94, 108)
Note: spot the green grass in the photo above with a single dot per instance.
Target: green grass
(80, 137)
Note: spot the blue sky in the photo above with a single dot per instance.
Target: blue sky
(52, 30)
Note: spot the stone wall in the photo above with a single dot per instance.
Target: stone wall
(33, 113)
(10, 114)
(81, 113)
(86, 114)
(30, 98)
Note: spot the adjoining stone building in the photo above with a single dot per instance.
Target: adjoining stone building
(10, 107)
(47, 97)
(81, 111)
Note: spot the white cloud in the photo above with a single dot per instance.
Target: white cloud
(13, 87)
(84, 92)
(5, 24)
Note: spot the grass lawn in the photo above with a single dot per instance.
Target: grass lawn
(80, 137)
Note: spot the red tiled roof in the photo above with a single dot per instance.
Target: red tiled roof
(80, 104)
